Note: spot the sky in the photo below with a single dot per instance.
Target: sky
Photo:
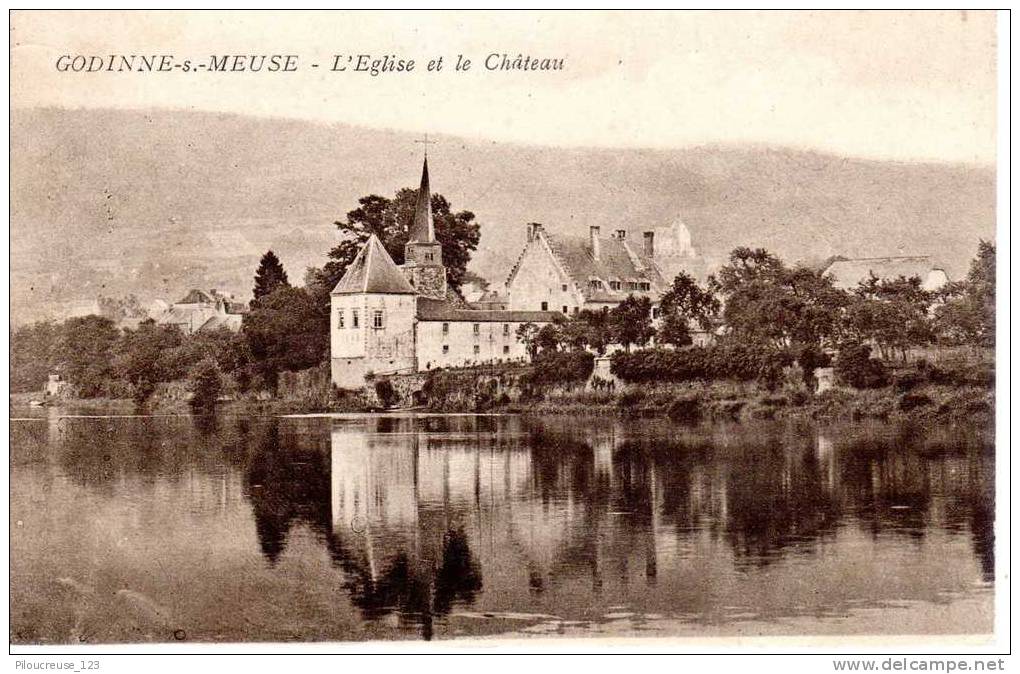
(884, 85)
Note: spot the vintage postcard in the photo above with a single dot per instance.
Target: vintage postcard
(571, 329)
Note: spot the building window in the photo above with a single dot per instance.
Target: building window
(475, 328)
(506, 329)
(476, 349)
(339, 319)
(564, 308)
(428, 257)
(545, 306)
(354, 319)
(564, 287)
(506, 348)
(377, 319)
(446, 328)
(655, 312)
(575, 310)
(595, 284)
(646, 286)
(446, 348)
(615, 285)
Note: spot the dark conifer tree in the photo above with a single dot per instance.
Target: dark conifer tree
(269, 276)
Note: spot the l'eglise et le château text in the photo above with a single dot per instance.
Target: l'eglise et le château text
(284, 63)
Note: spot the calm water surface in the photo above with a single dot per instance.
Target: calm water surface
(277, 529)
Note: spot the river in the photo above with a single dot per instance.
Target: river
(236, 528)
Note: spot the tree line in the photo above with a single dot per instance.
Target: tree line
(755, 300)
(771, 311)
(286, 328)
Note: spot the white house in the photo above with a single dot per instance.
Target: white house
(848, 273)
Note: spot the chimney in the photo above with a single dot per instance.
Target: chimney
(531, 231)
(596, 251)
(621, 234)
(650, 244)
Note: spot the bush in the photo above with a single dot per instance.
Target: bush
(386, 393)
(205, 383)
(561, 367)
(724, 361)
(810, 357)
(855, 366)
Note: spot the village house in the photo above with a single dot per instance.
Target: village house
(204, 310)
(847, 273)
(570, 274)
(388, 319)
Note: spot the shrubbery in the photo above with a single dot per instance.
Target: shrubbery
(205, 383)
(386, 393)
(723, 361)
(561, 367)
(855, 366)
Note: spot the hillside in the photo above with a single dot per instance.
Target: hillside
(117, 202)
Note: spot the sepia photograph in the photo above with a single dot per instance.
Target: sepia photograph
(500, 330)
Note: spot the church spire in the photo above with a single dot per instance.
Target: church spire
(422, 228)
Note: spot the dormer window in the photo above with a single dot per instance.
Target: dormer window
(615, 285)
(595, 284)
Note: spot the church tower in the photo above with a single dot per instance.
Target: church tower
(423, 255)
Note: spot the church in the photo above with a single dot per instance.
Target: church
(389, 319)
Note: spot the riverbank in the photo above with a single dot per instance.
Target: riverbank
(727, 401)
(968, 397)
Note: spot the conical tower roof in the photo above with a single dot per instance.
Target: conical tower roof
(422, 228)
(373, 271)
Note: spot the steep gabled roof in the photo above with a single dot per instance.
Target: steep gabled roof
(848, 273)
(618, 261)
(373, 271)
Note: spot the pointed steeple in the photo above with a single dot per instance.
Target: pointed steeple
(373, 271)
(422, 228)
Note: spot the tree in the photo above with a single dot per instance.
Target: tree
(630, 322)
(767, 303)
(116, 308)
(205, 383)
(981, 288)
(574, 334)
(964, 311)
(891, 313)
(142, 357)
(84, 353)
(685, 301)
(548, 338)
(526, 333)
(268, 277)
(389, 219)
(599, 334)
(286, 331)
(33, 355)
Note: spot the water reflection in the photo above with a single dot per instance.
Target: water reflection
(437, 526)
